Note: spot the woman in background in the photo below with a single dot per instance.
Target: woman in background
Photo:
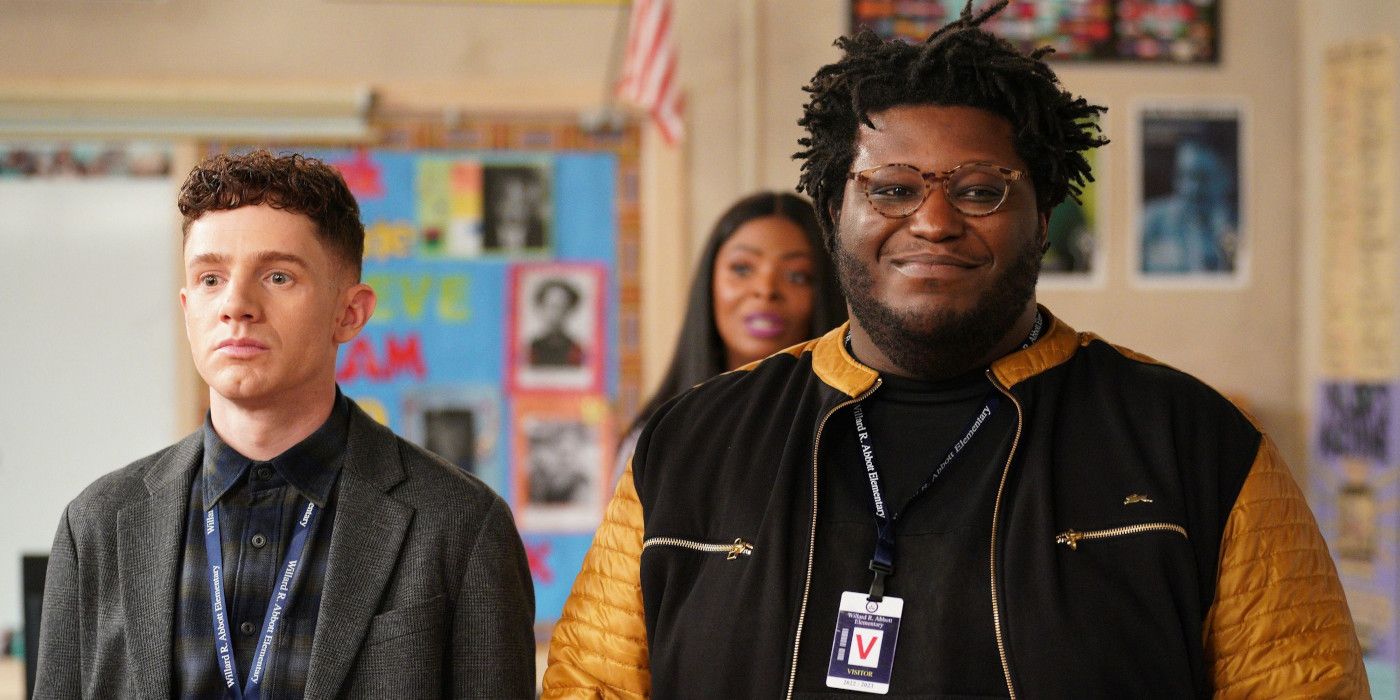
(764, 282)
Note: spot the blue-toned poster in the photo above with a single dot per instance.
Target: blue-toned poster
(494, 341)
(1355, 484)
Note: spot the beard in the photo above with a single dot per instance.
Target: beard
(943, 342)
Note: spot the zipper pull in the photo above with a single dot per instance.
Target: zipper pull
(739, 547)
(1069, 538)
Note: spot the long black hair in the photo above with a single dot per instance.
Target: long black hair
(700, 352)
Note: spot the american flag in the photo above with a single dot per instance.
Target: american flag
(649, 67)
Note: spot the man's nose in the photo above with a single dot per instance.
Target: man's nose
(240, 302)
(937, 218)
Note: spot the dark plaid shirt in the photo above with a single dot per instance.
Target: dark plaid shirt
(258, 502)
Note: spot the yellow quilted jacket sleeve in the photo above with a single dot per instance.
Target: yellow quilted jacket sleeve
(1280, 627)
(599, 647)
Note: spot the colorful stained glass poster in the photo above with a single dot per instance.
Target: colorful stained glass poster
(1166, 31)
(449, 208)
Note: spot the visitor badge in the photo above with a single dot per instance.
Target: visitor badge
(862, 652)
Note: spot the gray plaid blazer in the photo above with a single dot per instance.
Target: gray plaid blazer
(427, 592)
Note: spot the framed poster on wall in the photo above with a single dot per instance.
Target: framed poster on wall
(1188, 223)
(1354, 482)
(556, 328)
(1157, 31)
(560, 474)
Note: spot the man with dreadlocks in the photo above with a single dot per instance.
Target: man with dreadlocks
(1054, 516)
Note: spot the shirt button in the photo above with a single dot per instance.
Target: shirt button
(263, 473)
(247, 628)
(259, 541)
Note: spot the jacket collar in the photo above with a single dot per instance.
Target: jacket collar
(369, 532)
(371, 526)
(149, 543)
(835, 366)
(1054, 348)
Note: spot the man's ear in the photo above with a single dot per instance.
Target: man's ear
(356, 307)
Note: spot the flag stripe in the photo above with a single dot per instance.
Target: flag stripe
(649, 40)
(649, 77)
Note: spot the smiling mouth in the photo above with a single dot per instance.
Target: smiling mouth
(930, 265)
(765, 326)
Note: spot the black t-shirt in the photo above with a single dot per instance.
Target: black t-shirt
(946, 644)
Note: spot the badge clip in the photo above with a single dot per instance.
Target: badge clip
(877, 584)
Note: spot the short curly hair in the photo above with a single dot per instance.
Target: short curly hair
(958, 65)
(291, 182)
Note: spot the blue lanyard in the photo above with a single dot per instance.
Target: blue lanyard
(882, 561)
(277, 603)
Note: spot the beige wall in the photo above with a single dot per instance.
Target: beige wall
(499, 55)
(1244, 341)
(742, 64)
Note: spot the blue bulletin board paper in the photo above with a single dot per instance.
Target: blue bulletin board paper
(432, 360)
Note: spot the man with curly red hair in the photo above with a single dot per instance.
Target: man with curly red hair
(292, 547)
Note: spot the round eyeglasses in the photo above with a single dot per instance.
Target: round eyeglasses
(898, 190)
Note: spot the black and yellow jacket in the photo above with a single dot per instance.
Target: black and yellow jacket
(1218, 582)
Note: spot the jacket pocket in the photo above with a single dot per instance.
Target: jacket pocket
(740, 547)
(404, 653)
(1072, 538)
(405, 620)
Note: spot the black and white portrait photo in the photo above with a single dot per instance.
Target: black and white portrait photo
(554, 302)
(562, 445)
(451, 434)
(459, 424)
(556, 334)
(516, 209)
(563, 465)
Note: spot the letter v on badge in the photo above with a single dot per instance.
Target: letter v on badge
(862, 651)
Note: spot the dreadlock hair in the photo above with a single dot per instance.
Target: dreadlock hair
(958, 65)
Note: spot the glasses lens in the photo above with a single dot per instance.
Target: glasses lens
(895, 190)
(977, 189)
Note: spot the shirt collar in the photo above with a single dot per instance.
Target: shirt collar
(310, 466)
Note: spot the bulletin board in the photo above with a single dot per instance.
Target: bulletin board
(504, 256)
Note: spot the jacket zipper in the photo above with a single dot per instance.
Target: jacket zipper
(812, 539)
(737, 548)
(1071, 538)
(996, 515)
